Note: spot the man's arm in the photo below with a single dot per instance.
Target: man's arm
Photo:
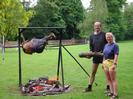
(91, 43)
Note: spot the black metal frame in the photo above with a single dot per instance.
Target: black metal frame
(60, 58)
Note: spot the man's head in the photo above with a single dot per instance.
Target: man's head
(97, 27)
(27, 47)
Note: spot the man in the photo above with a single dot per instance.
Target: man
(36, 45)
(97, 43)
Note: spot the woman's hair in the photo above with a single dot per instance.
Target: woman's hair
(110, 33)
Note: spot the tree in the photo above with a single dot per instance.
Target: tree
(46, 13)
(12, 16)
(114, 20)
(128, 19)
(72, 13)
(65, 13)
(97, 11)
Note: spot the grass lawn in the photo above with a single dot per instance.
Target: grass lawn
(45, 64)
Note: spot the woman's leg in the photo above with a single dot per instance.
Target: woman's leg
(108, 78)
(112, 73)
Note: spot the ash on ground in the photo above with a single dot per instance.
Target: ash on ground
(43, 86)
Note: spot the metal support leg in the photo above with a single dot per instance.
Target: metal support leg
(62, 70)
(77, 62)
(19, 56)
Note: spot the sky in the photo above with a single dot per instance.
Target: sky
(86, 3)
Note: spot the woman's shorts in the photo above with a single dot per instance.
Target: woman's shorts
(107, 63)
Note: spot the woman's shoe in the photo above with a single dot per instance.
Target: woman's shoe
(114, 97)
(110, 94)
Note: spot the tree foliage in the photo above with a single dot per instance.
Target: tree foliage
(128, 19)
(12, 15)
(97, 11)
(114, 14)
(66, 13)
(72, 13)
(110, 13)
(114, 20)
(46, 14)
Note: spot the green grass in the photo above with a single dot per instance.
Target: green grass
(45, 64)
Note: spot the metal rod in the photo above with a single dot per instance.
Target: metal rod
(58, 67)
(41, 27)
(77, 62)
(3, 49)
(60, 61)
(19, 56)
(62, 70)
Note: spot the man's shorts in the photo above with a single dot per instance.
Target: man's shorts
(107, 63)
(97, 60)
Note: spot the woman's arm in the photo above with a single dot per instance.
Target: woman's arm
(115, 61)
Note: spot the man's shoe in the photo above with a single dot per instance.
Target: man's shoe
(88, 89)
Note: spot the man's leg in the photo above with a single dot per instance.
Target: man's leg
(92, 77)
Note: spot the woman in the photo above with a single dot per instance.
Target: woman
(110, 52)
